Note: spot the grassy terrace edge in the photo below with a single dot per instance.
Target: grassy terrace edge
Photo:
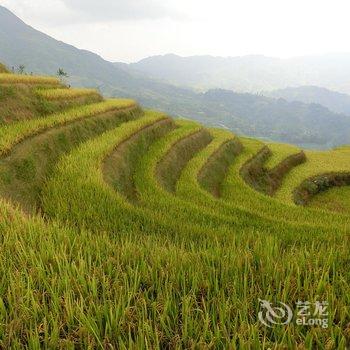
(317, 184)
(207, 214)
(8, 78)
(59, 94)
(237, 193)
(14, 133)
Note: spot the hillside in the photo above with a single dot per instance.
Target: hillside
(292, 122)
(334, 101)
(249, 73)
(277, 119)
(123, 228)
(41, 54)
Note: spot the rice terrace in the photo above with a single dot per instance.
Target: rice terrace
(123, 228)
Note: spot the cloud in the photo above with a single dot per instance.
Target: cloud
(110, 10)
(34, 12)
(69, 12)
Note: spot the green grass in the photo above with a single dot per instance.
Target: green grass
(83, 168)
(213, 162)
(148, 237)
(266, 170)
(201, 211)
(119, 166)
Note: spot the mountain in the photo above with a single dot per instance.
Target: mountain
(277, 119)
(335, 101)
(41, 54)
(247, 114)
(249, 73)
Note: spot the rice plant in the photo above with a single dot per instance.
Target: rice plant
(148, 237)
(8, 78)
(14, 133)
(63, 94)
(317, 162)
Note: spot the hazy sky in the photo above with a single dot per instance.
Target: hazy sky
(128, 30)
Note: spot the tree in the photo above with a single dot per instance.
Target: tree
(21, 69)
(62, 74)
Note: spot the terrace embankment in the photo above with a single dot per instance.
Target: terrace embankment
(266, 180)
(216, 168)
(29, 163)
(119, 166)
(317, 184)
(170, 167)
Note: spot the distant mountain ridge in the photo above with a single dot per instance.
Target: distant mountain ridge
(254, 73)
(334, 101)
(41, 54)
(277, 119)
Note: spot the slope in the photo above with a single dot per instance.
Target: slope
(131, 248)
(334, 101)
(252, 73)
(41, 54)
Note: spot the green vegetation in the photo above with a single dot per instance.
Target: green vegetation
(122, 228)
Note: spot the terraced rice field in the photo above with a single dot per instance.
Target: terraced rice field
(335, 199)
(65, 94)
(7, 78)
(279, 153)
(122, 228)
(317, 163)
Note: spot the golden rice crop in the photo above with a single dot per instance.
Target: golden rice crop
(59, 94)
(7, 78)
